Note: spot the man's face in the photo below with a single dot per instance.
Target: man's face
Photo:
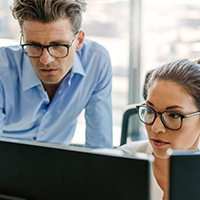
(49, 69)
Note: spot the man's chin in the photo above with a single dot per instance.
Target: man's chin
(51, 82)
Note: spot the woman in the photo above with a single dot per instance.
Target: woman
(171, 117)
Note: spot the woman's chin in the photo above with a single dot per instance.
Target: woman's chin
(161, 155)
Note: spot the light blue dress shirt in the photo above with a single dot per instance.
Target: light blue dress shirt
(24, 110)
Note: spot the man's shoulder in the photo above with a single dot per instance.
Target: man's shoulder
(10, 57)
(91, 46)
(10, 50)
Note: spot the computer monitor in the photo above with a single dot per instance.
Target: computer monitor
(184, 181)
(33, 170)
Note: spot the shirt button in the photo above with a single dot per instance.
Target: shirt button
(47, 112)
(42, 132)
(40, 87)
(59, 91)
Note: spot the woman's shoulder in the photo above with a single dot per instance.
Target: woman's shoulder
(142, 146)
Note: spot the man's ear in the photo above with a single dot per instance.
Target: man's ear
(80, 40)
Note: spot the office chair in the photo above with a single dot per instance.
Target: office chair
(129, 111)
(130, 115)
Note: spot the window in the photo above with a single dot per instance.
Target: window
(171, 31)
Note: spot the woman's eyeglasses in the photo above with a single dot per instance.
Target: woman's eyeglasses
(170, 119)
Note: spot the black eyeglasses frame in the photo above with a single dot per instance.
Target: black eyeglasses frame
(47, 46)
(162, 119)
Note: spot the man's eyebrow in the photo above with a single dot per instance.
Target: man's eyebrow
(33, 42)
(59, 42)
(51, 43)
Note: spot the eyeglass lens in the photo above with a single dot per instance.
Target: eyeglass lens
(36, 51)
(170, 119)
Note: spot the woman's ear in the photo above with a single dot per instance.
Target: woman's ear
(80, 40)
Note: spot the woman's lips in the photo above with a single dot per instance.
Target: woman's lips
(159, 143)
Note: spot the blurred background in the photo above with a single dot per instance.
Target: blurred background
(139, 34)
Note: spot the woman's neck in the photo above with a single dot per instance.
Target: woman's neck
(161, 172)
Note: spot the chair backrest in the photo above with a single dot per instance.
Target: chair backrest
(129, 111)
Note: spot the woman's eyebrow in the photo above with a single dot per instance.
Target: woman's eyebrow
(173, 107)
(167, 108)
(149, 103)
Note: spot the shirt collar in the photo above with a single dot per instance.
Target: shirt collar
(77, 66)
(30, 78)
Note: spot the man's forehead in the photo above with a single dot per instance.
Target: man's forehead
(47, 32)
(62, 24)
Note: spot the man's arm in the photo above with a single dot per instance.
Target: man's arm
(2, 110)
(98, 112)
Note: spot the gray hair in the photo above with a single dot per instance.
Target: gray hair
(46, 11)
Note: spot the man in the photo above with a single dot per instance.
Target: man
(53, 76)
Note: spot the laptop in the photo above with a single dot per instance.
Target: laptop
(34, 170)
(184, 175)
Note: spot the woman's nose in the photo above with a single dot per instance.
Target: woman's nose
(158, 126)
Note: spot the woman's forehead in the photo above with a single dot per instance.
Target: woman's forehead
(163, 94)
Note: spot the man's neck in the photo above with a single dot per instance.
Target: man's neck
(51, 89)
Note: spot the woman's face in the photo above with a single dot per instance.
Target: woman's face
(168, 96)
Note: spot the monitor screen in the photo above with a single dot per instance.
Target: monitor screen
(33, 170)
(184, 181)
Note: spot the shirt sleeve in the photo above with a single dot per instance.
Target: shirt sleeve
(2, 110)
(98, 112)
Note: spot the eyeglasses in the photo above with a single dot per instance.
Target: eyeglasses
(56, 51)
(171, 120)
